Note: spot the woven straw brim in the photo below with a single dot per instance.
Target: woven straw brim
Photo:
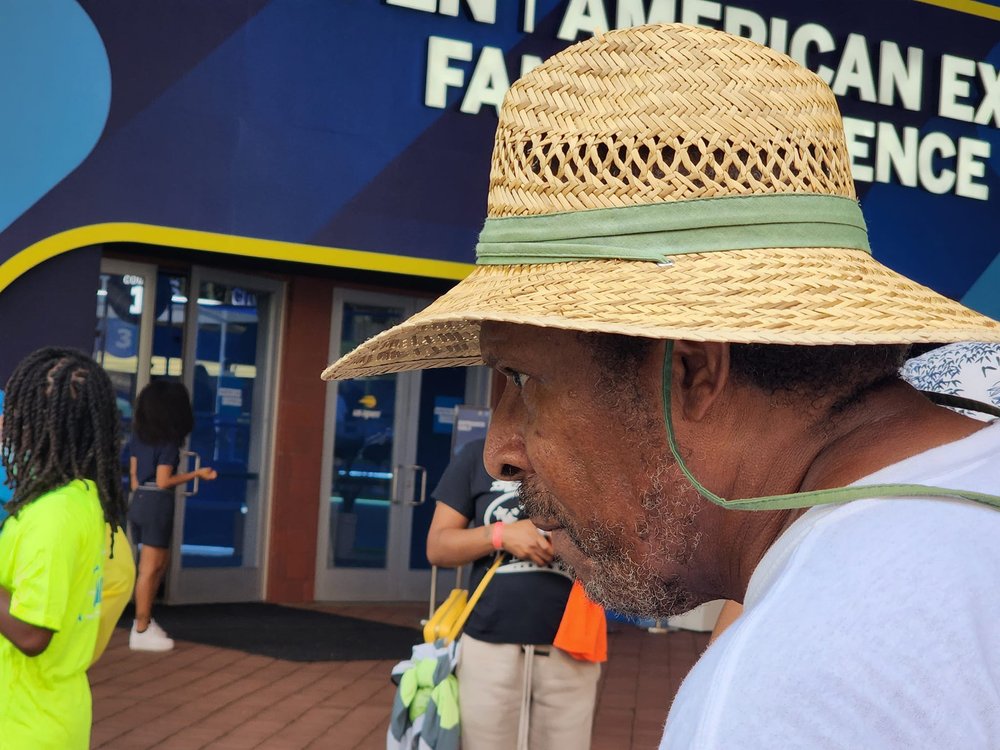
(776, 296)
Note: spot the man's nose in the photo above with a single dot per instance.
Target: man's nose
(505, 455)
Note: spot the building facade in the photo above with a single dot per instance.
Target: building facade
(233, 193)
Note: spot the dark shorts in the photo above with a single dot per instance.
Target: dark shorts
(151, 517)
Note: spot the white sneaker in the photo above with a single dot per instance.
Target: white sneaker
(153, 638)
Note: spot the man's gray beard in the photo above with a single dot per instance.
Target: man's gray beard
(666, 532)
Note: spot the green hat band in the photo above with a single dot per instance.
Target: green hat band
(657, 231)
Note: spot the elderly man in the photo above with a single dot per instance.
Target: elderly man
(675, 279)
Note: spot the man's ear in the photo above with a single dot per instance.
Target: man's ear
(700, 374)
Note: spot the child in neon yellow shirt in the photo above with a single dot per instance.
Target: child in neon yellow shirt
(59, 445)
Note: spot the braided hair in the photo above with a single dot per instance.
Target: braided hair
(61, 423)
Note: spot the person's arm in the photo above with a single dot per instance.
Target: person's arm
(133, 473)
(166, 479)
(29, 639)
(450, 543)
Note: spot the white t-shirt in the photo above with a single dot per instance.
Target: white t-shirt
(874, 624)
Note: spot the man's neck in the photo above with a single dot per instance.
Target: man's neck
(801, 454)
(890, 426)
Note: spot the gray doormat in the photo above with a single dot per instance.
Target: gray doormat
(283, 632)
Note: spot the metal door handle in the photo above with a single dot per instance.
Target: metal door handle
(423, 485)
(197, 466)
(394, 486)
(394, 497)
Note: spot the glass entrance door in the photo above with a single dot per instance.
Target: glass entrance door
(215, 332)
(230, 356)
(387, 442)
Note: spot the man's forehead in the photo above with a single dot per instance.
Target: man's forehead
(499, 339)
(515, 342)
(503, 340)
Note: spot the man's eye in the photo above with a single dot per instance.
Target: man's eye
(518, 378)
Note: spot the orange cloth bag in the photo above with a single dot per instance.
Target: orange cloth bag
(583, 631)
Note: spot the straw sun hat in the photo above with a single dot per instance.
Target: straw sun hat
(672, 182)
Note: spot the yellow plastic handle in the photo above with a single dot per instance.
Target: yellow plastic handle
(445, 615)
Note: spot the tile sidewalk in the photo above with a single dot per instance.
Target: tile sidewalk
(205, 697)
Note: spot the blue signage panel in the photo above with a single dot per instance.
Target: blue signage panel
(471, 423)
(368, 126)
(444, 414)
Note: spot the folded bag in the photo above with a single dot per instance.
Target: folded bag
(425, 713)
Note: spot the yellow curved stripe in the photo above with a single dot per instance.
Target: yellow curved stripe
(971, 7)
(251, 247)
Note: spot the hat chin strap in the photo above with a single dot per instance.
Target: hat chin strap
(819, 497)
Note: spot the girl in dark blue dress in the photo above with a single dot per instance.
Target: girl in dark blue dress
(162, 421)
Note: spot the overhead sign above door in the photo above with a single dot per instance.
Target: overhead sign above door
(359, 133)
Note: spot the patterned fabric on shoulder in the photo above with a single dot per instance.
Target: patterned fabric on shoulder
(971, 370)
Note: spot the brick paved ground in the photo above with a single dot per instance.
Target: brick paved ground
(203, 697)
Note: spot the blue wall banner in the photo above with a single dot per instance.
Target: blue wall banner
(444, 413)
(359, 132)
(471, 423)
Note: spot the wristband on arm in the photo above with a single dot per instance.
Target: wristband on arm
(497, 537)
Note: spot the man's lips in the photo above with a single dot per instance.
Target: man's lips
(545, 524)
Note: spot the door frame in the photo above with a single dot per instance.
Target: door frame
(396, 581)
(144, 350)
(246, 583)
